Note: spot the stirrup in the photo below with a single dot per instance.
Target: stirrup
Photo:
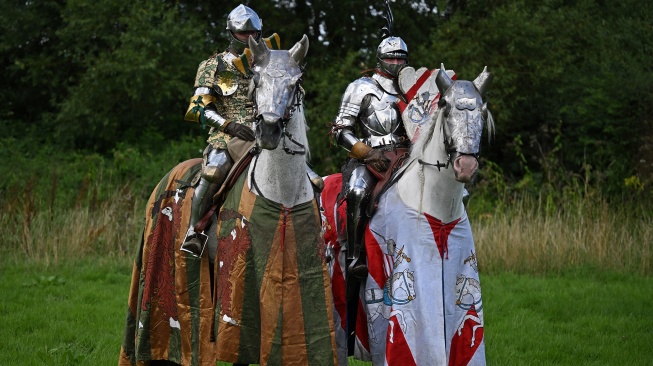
(194, 243)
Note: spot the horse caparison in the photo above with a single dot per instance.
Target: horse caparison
(414, 309)
(261, 291)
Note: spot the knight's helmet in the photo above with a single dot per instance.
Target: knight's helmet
(392, 47)
(243, 19)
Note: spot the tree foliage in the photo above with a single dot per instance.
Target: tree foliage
(572, 86)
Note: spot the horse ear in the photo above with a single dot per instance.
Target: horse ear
(482, 81)
(260, 50)
(443, 81)
(299, 50)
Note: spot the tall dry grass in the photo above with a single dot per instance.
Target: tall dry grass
(524, 234)
(36, 230)
(532, 235)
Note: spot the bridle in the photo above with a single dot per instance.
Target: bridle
(290, 111)
(291, 108)
(445, 108)
(287, 137)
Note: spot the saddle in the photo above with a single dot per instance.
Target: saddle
(241, 152)
(386, 179)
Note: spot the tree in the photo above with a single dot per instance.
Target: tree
(572, 85)
(571, 81)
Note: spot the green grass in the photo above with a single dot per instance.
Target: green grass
(535, 235)
(584, 318)
(73, 314)
(566, 276)
(63, 315)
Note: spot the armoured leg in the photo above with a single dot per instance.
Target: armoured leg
(217, 164)
(361, 184)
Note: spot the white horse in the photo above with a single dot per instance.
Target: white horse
(423, 214)
(279, 170)
(271, 289)
(261, 293)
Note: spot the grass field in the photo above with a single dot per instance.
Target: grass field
(567, 282)
(74, 315)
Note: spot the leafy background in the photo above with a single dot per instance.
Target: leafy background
(572, 87)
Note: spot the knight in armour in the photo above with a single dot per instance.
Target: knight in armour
(368, 125)
(220, 101)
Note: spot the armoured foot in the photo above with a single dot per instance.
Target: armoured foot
(358, 270)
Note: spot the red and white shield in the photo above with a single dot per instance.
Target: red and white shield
(421, 95)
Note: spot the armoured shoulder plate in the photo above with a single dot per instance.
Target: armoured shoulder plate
(352, 100)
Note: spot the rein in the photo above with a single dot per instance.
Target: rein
(437, 164)
(298, 102)
(289, 151)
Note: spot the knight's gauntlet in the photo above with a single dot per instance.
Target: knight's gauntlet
(359, 150)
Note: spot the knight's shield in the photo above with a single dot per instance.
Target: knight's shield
(421, 97)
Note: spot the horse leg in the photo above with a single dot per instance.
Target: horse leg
(400, 318)
(370, 323)
(479, 325)
(462, 325)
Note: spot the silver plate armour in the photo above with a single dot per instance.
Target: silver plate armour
(379, 119)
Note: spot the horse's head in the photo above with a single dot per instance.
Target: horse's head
(274, 88)
(464, 113)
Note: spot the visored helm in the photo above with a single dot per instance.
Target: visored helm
(392, 47)
(243, 19)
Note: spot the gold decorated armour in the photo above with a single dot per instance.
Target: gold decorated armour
(235, 108)
(221, 73)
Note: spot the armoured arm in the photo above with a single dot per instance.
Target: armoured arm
(202, 108)
(354, 100)
(360, 150)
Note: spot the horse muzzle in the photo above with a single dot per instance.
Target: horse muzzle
(270, 118)
(465, 166)
(268, 130)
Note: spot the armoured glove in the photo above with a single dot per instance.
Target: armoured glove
(376, 160)
(241, 131)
